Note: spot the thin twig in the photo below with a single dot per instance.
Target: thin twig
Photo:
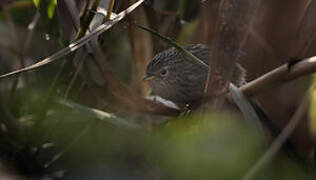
(247, 109)
(73, 79)
(110, 9)
(280, 140)
(31, 28)
(74, 13)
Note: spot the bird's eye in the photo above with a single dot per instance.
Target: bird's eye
(163, 72)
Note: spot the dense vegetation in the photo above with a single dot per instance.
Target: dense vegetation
(77, 110)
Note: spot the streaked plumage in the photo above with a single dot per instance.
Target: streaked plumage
(179, 80)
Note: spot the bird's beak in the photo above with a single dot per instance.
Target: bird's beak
(148, 77)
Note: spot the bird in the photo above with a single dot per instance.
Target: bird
(173, 77)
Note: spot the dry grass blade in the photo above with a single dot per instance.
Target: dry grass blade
(100, 115)
(141, 46)
(31, 28)
(74, 12)
(187, 53)
(76, 45)
(247, 110)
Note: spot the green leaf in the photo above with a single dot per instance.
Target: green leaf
(46, 7)
(187, 31)
(36, 2)
(51, 9)
(312, 110)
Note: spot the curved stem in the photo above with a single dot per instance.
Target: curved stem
(279, 75)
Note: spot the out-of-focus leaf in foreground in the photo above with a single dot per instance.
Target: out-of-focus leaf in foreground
(312, 111)
(46, 7)
(213, 147)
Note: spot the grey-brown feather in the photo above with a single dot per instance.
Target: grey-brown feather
(184, 82)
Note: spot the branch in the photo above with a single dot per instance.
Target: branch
(279, 75)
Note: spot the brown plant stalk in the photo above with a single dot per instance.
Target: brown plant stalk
(233, 23)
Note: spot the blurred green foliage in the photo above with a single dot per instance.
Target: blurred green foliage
(37, 3)
(312, 110)
(46, 7)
